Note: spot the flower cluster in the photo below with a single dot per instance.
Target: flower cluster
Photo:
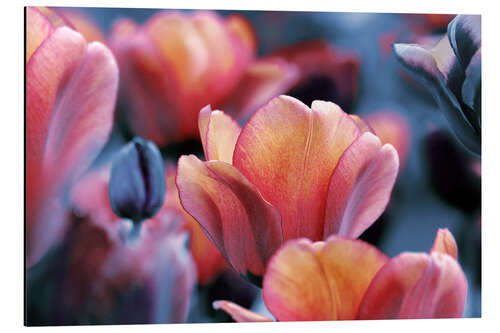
(174, 154)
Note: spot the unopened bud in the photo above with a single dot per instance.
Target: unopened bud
(137, 182)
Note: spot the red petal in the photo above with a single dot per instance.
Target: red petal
(288, 152)
(245, 228)
(360, 186)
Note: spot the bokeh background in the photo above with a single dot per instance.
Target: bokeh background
(440, 185)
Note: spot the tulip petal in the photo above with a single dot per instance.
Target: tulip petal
(391, 127)
(445, 243)
(416, 285)
(83, 24)
(360, 186)
(263, 80)
(320, 281)
(83, 113)
(245, 228)
(239, 313)
(363, 125)
(464, 34)
(239, 25)
(218, 134)
(37, 29)
(422, 65)
(471, 89)
(288, 152)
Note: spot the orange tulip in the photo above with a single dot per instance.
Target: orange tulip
(291, 171)
(345, 279)
(71, 89)
(176, 63)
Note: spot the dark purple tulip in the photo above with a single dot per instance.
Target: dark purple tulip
(451, 70)
(137, 183)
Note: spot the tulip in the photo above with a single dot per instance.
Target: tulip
(346, 279)
(177, 62)
(291, 171)
(137, 182)
(452, 73)
(71, 89)
(112, 280)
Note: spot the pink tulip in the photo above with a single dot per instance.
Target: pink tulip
(176, 63)
(291, 171)
(345, 279)
(71, 89)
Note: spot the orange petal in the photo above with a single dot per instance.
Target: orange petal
(243, 29)
(263, 80)
(218, 134)
(83, 24)
(416, 285)
(239, 313)
(391, 127)
(38, 27)
(245, 228)
(360, 186)
(288, 152)
(320, 281)
(363, 125)
(445, 243)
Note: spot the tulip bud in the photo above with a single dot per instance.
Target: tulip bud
(137, 183)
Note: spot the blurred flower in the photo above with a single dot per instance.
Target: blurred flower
(325, 73)
(344, 279)
(452, 72)
(118, 280)
(82, 23)
(424, 24)
(176, 63)
(290, 172)
(392, 127)
(71, 91)
(137, 181)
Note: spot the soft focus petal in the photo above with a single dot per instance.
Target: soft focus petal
(320, 281)
(471, 89)
(83, 24)
(242, 28)
(392, 127)
(38, 27)
(239, 313)
(262, 80)
(423, 66)
(464, 34)
(245, 228)
(360, 186)
(445, 243)
(70, 97)
(288, 152)
(325, 73)
(218, 134)
(416, 285)
(363, 125)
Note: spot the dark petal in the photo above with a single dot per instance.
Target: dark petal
(471, 89)
(464, 33)
(421, 65)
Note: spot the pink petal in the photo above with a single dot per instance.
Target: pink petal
(415, 285)
(239, 313)
(245, 228)
(38, 27)
(218, 134)
(288, 152)
(360, 186)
